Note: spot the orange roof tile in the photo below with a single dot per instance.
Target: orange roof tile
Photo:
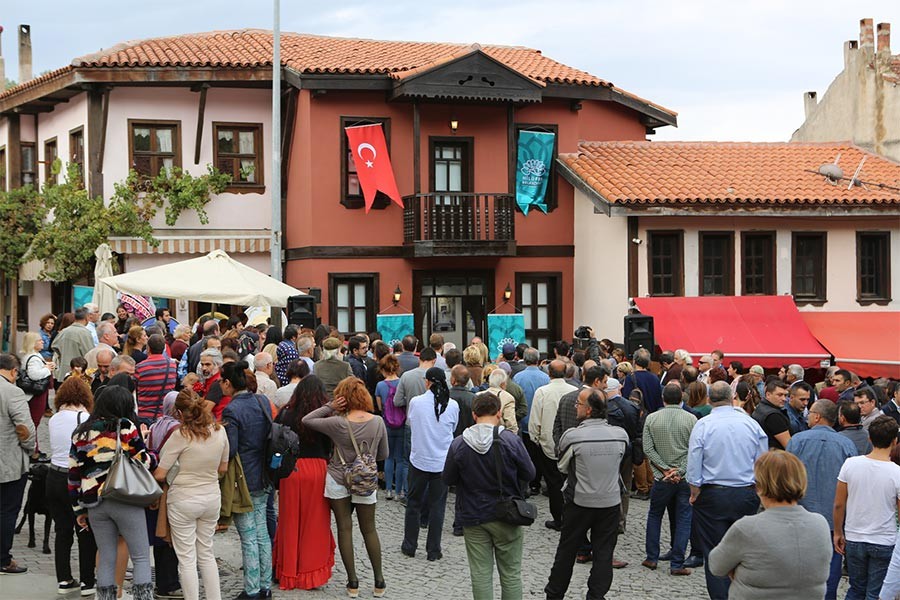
(731, 173)
(306, 53)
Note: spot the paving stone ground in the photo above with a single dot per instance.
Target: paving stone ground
(414, 578)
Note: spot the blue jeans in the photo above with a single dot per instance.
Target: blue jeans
(256, 546)
(867, 564)
(661, 494)
(834, 574)
(395, 465)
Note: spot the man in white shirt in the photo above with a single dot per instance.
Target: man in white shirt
(92, 318)
(868, 495)
(265, 367)
(108, 340)
(540, 429)
(704, 366)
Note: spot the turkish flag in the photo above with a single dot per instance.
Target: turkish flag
(373, 165)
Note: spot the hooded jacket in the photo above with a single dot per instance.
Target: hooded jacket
(471, 467)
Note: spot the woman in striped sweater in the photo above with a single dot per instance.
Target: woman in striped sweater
(93, 449)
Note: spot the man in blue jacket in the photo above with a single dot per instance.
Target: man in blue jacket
(477, 493)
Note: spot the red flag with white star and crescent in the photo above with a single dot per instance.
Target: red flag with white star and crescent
(373, 164)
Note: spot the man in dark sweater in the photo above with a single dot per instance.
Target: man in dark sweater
(771, 416)
(645, 381)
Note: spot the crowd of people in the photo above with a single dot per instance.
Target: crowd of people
(771, 484)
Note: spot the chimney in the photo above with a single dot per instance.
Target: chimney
(866, 34)
(24, 53)
(850, 47)
(2, 64)
(810, 102)
(884, 38)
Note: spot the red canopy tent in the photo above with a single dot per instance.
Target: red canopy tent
(761, 330)
(867, 343)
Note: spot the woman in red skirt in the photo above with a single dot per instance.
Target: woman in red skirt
(304, 545)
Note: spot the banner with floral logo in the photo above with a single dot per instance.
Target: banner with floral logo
(535, 153)
(393, 327)
(504, 329)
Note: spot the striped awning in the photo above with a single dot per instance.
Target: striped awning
(185, 242)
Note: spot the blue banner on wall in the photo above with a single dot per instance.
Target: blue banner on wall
(535, 153)
(393, 327)
(504, 329)
(81, 295)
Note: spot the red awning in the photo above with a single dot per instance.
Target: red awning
(756, 330)
(867, 343)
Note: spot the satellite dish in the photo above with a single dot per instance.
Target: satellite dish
(833, 172)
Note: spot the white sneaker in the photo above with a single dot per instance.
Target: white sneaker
(88, 590)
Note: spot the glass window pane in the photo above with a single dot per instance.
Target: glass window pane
(353, 185)
(343, 296)
(167, 164)
(447, 152)
(455, 177)
(141, 139)
(142, 164)
(451, 287)
(359, 294)
(351, 166)
(542, 314)
(226, 141)
(542, 293)
(246, 139)
(526, 312)
(526, 294)
(359, 323)
(248, 171)
(226, 165)
(164, 140)
(440, 177)
(343, 319)
(543, 344)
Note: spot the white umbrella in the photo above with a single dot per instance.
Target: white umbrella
(104, 296)
(215, 277)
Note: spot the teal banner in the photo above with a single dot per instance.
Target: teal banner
(393, 327)
(535, 154)
(504, 329)
(81, 295)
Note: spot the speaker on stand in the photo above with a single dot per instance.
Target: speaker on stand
(302, 311)
(639, 334)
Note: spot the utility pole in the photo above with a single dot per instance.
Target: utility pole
(275, 312)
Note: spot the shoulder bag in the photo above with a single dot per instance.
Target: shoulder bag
(361, 475)
(129, 481)
(509, 509)
(35, 387)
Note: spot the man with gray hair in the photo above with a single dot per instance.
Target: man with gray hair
(823, 451)
(794, 374)
(209, 371)
(73, 341)
(121, 364)
(109, 339)
(530, 379)
(93, 315)
(722, 451)
(306, 345)
(704, 365)
(265, 368)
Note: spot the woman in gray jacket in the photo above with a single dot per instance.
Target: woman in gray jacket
(783, 553)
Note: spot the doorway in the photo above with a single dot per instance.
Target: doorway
(453, 304)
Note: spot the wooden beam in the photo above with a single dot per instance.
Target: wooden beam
(201, 110)
(14, 151)
(289, 117)
(417, 175)
(511, 147)
(632, 254)
(96, 132)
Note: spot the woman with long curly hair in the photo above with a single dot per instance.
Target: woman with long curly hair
(747, 396)
(352, 408)
(200, 448)
(304, 546)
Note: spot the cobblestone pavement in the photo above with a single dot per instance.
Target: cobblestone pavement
(415, 578)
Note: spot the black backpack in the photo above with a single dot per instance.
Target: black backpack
(282, 447)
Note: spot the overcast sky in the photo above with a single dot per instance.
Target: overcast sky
(733, 70)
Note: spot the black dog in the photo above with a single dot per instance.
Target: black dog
(36, 504)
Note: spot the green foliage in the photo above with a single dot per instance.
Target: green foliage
(175, 189)
(22, 214)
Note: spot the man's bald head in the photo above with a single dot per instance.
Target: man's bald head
(557, 369)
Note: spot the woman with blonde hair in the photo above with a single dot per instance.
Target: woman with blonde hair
(37, 369)
(351, 413)
(474, 360)
(760, 552)
(199, 448)
(136, 343)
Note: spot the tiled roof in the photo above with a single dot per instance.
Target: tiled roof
(311, 54)
(731, 173)
(48, 76)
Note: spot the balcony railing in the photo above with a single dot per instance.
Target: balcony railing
(460, 224)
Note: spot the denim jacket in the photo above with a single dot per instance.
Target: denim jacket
(248, 428)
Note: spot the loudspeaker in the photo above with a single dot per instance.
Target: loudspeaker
(302, 311)
(638, 334)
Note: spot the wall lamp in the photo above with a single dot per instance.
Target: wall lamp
(454, 125)
(637, 241)
(397, 294)
(507, 294)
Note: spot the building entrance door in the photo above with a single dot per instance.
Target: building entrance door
(452, 304)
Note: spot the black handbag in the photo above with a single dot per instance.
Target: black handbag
(510, 509)
(35, 387)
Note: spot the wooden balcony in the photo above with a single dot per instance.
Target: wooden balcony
(458, 224)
